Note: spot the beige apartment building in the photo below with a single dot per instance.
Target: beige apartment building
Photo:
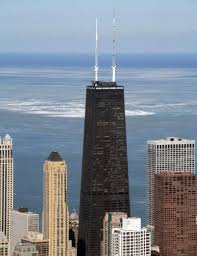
(55, 209)
(110, 221)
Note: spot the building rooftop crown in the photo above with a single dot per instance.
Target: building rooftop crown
(55, 157)
(131, 223)
(7, 140)
(74, 215)
(171, 140)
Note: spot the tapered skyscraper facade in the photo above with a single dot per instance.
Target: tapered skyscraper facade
(104, 181)
(55, 209)
(6, 184)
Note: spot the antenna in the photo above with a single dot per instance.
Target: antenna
(114, 50)
(96, 67)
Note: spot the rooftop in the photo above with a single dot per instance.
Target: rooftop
(176, 174)
(7, 140)
(54, 157)
(171, 140)
(104, 85)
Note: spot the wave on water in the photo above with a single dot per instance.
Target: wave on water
(138, 113)
(76, 108)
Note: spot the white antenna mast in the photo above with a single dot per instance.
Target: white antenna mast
(96, 67)
(114, 50)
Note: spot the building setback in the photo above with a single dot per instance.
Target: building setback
(6, 184)
(104, 180)
(55, 208)
(170, 154)
(175, 213)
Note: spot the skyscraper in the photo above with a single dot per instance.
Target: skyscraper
(131, 239)
(170, 154)
(175, 213)
(55, 209)
(6, 184)
(104, 180)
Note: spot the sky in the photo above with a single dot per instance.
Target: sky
(68, 26)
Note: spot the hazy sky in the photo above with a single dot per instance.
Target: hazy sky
(69, 25)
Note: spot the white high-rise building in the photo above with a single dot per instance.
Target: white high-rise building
(170, 154)
(131, 239)
(6, 184)
(22, 222)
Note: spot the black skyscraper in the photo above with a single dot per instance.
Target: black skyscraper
(104, 181)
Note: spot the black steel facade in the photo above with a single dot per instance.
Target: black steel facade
(104, 181)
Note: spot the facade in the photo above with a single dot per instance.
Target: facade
(3, 245)
(104, 180)
(55, 209)
(37, 239)
(6, 184)
(110, 221)
(170, 154)
(73, 228)
(175, 213)
(25, 249)
(22, 222)
(131, 239)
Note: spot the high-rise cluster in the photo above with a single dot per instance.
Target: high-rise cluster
(104, 226)
(19, 234)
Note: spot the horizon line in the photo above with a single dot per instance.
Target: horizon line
(91, 53)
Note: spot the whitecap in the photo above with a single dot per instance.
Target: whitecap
(138, 113)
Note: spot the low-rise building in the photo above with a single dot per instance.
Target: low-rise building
(22, 222)
(37, 239)
(25, 249)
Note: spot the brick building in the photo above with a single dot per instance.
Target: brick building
(175, 213)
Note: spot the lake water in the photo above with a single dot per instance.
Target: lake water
(42, 99)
